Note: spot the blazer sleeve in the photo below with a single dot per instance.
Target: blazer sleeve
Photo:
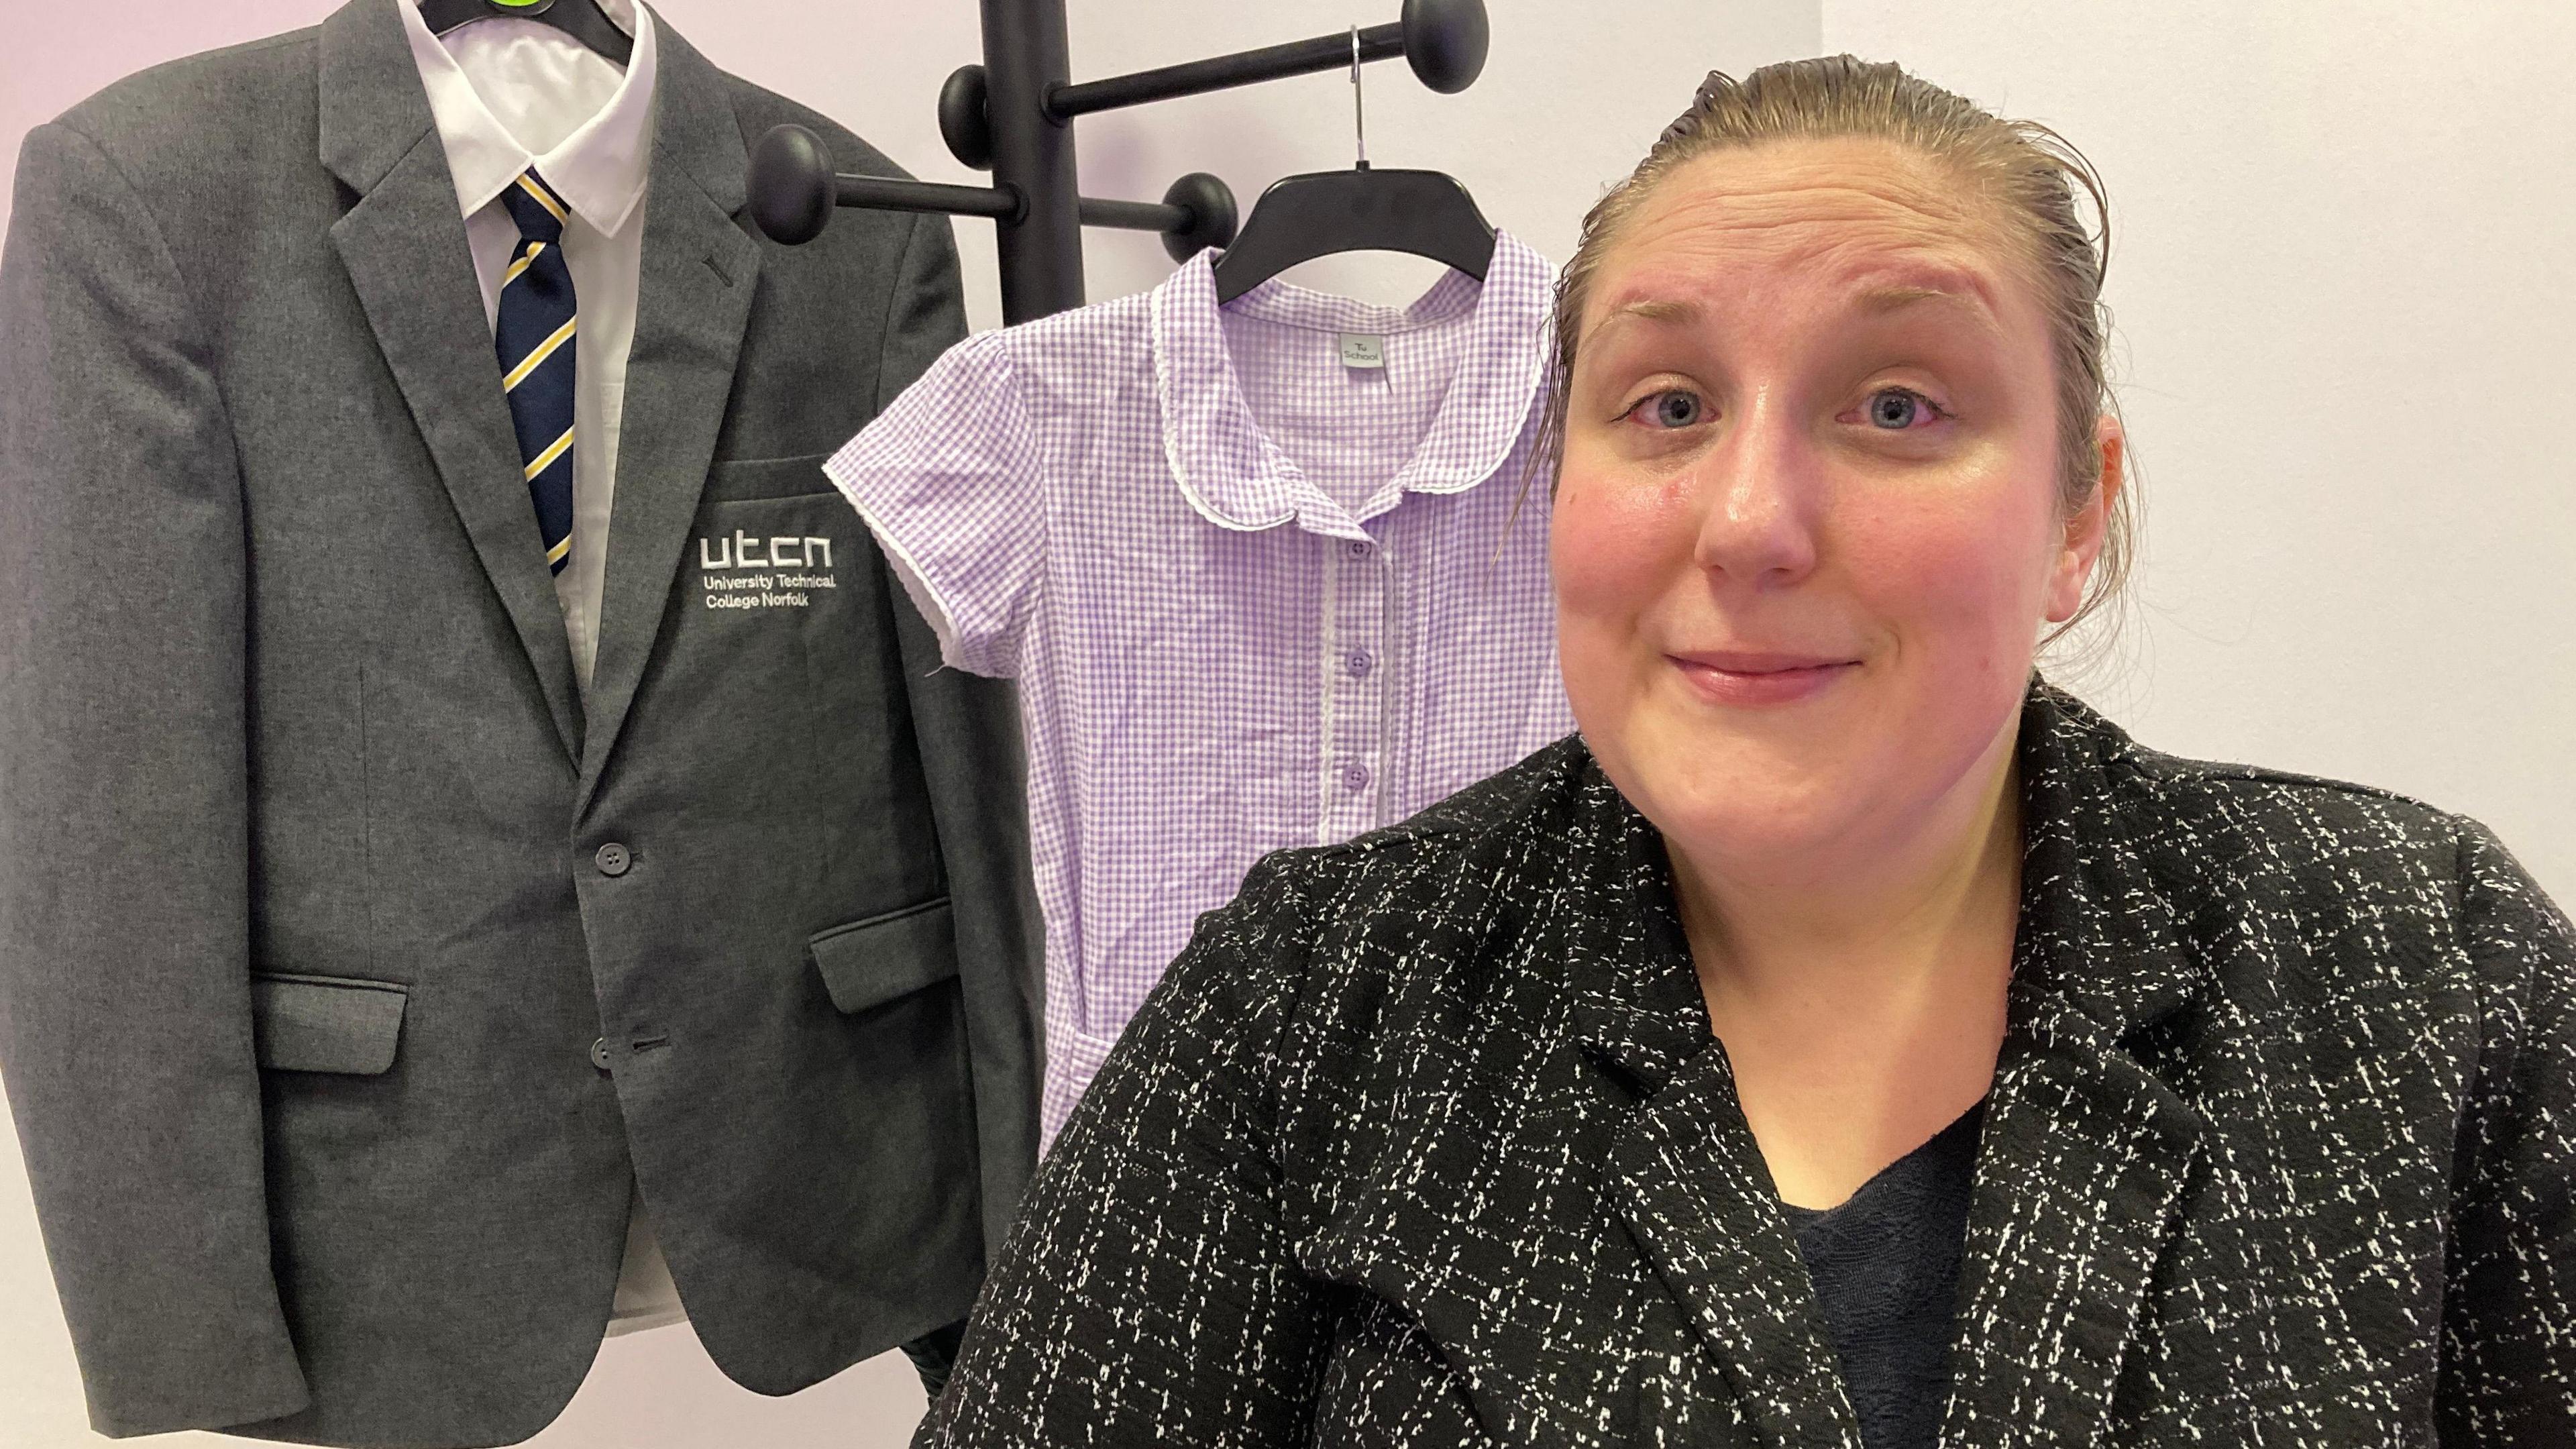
(2508, 1355)
(968, 728)
(1150, 1293)
(125, 1011)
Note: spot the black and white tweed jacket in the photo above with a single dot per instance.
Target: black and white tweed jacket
(1425, 1141)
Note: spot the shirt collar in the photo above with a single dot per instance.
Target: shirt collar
(598, 170)
(1237, 478)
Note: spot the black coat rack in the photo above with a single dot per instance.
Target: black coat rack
(1013, 115)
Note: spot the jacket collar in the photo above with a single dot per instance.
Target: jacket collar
(372, 108)
(1236, 477)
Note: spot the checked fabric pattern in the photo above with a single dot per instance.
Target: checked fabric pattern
(534, 337)
(1254, 597)
(1425, 1142)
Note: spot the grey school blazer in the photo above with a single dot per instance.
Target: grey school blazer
(351, 965)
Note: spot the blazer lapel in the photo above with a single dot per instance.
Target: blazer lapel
(1689, 1182)
(404, 247)
(699, 273)
(1684, 1173)
(2087, 1155)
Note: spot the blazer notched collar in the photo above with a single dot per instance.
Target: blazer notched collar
(405, 250)
(2084, 1155)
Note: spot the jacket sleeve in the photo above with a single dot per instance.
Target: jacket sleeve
(2508, 1356)
(969, 733)
(1150, 1293)
(125, 1012)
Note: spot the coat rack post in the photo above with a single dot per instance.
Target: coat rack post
(1026, 56)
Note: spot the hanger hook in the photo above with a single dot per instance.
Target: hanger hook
(1359, 114)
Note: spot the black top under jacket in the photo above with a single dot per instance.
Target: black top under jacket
(1884, 1263)
(1425, 1140)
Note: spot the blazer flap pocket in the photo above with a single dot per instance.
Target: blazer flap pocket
(738, 480)
(871, 962)
(326, 1023)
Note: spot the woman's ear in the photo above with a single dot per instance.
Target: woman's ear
(2089, 526)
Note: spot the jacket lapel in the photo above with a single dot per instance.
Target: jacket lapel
(404, 247)
(699, 273)
(1684, 1173)
(1689, 1182)
(2087, 1155)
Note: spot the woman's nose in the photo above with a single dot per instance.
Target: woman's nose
(1758, 486)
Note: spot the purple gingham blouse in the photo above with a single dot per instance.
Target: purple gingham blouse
(1257, 593)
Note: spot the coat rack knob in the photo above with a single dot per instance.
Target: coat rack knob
(791, 185)
(1445, 42)
(964, 122)
(1210, 204)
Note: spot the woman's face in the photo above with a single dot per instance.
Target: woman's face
(1807, 527)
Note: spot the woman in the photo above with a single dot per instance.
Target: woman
(1846, 1038)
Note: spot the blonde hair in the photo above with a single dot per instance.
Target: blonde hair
(2026, 172)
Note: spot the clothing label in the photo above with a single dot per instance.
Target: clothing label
(1363, 349)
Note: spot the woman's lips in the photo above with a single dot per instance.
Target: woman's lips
(1747, 679)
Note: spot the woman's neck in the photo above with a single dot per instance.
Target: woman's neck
(1863, 917)
(1860, 999)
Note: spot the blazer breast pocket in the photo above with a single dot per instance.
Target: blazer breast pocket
(781, 676)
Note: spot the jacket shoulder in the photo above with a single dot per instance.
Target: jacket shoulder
(158, 118)
(2298, 821)
(2221, 813)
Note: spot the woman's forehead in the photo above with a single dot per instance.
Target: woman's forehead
(1882, 224)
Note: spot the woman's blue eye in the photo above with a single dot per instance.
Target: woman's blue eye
(1671, 408)
(1897, 408)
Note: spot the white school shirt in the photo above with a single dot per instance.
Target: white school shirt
(507, 95)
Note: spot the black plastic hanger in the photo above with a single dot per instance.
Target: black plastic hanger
(583, 20)
(1300, 218)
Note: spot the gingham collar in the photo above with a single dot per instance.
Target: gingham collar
(1237, 477)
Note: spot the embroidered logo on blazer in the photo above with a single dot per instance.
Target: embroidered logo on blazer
(748, 572)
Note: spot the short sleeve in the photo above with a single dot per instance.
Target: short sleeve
(947, 478)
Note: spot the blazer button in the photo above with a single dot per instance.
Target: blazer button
(599, 1054)
(613, 859)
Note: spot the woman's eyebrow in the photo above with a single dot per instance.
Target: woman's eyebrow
(1659, 311)
(1960, 291)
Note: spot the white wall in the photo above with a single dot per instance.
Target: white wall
(1572, 95)
(2344, 275)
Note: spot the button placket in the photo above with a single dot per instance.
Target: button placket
(1354, 768)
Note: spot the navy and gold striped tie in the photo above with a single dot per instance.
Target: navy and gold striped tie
(534, 338)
